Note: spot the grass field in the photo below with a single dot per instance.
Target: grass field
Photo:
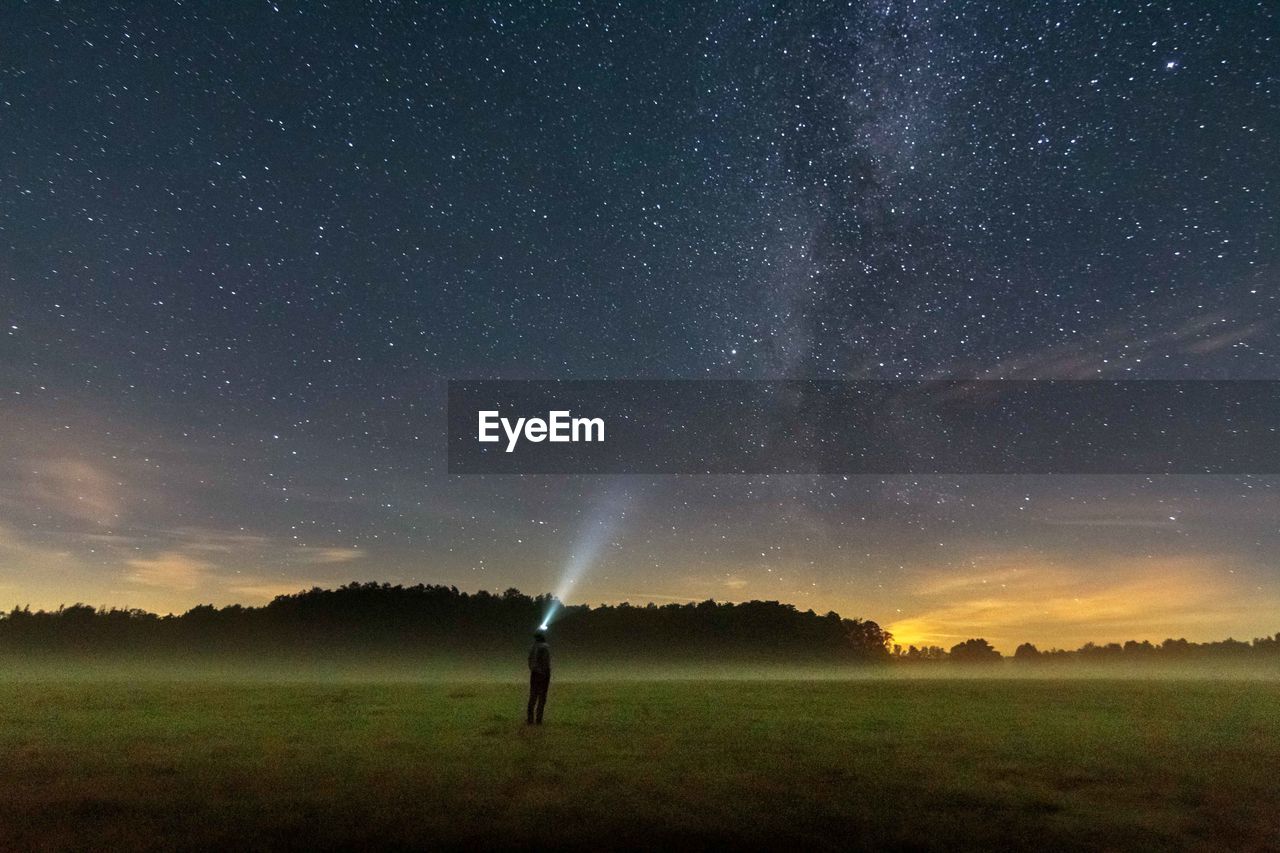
(891, 763)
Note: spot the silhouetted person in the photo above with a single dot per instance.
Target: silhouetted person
(539, 676)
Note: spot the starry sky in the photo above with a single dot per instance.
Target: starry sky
(244, 245)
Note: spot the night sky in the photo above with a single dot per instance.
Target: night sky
(243, 245)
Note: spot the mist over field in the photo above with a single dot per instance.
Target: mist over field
(350, 668)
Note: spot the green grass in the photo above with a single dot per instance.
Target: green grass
(898, 763)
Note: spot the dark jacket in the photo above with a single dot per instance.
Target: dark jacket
(540, 658)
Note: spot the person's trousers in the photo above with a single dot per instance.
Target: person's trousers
(538, 684)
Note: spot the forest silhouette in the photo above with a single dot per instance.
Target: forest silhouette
(442, 620)
(432, 620)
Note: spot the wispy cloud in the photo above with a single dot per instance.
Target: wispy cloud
(1114, 350)
(67, 488)
(171, 571)
(160, 569)
(260, 590)
(331, 555)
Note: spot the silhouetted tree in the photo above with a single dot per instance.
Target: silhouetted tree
(974, 651)
(1026, 652)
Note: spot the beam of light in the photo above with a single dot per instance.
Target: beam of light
(600, 530)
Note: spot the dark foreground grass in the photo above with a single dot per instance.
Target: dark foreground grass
(928, 764)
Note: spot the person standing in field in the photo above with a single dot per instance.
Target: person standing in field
(539, 677)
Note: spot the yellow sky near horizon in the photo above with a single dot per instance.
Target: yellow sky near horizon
(1054, 604)
(1006, 598)
(1110, 570)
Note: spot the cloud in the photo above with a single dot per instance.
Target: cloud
(1118, 348)
(1204, 346)
(178, 580)
(70, 488)
(170, 570)
(1110, 521)
(260, 590)
(213, 541)
(637, 598)
(332, 555)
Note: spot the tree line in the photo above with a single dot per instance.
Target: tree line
(1171, 651)
(427, 619)
(444, 621)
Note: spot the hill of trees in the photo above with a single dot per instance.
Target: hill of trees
(440, 620)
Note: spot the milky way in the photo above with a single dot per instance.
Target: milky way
(242, 246)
